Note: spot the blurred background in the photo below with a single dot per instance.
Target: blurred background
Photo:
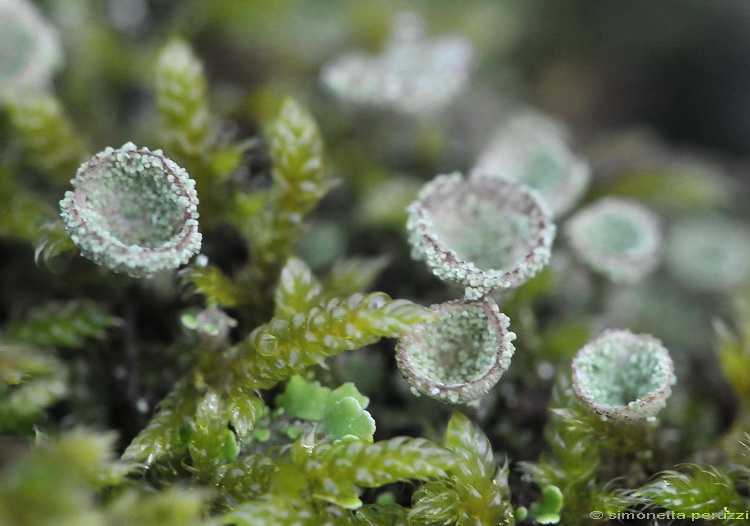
(678, 67)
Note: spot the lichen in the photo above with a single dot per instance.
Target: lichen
(709, 253)
(617, 238)
(460, 356)
(623, 376)
(30, 48)
(133, 211)
(483, 233)
(533, 150)
(412, 75)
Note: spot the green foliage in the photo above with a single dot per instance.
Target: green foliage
(296, 150)
(212, 283)
(309, 477)
(24, 213)
(733, 348)
(164, 434)
(705, 489)
(283, 347)
(673, 188)
(273, 352)
(209, 435)
(187, 128)
(17, 363)
(47, 134)
(341, 412)
(346, 419)
(62, 324)
(576, 441)
(57, 481)
(30, 381)
(298, 289)
(182, 101)
(547, 510)
(476, 492)
(171, 507)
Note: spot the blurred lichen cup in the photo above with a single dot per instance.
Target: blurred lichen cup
(30, 49)
(617, 238)
(483, 233)
(709, 253)
(623, 377)
(133, 211)
(533, 150)
(460, 356)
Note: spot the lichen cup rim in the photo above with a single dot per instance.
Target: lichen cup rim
(448, 265)
(646, 405)
(103, 247)
(477, 387)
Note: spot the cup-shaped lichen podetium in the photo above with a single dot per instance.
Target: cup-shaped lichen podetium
(133, 211)
(616, 237)
(484, 233)
(460, 356)
(533, 150)
(30, 49)
(622, 376)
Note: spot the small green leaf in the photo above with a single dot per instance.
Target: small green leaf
(346, 419)
(210, 281)
(58, 324)
(164, 434)
(207, 444)
(298, 289)
(231, 449)
(243, 411)
(182, 100)
(547, 510)
(303, 399)
(349, 390)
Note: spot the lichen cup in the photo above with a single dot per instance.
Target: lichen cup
(623, 377)
(31, 49)
(533, 150)
(412, 75)
(462, 355)
(483, 233)
(709, 253)
(617, 238)
(133, 211)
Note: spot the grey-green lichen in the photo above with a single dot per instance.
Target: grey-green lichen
(709, 253)
(133, 211)
(623, 376)
(483, 233)
(533, 150)
(412, 74)
(460, 356)
(616, 237)
(30, 50)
